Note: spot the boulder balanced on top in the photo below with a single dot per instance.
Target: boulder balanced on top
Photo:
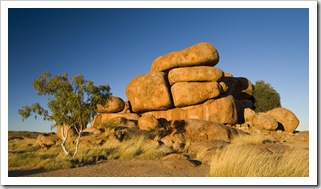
(202, 54)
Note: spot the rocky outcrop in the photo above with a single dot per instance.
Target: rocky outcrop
(193, 88)
(149, 92)
(287, 119)
(185, 85)
(202, 54)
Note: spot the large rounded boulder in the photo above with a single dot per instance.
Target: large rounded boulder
(148, 122)
(264, 121)
(201, 54)
(191, 93)
(113, 105)
(288, 120)
(149, 92)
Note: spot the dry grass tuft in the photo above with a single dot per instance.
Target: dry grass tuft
(136, 148)
(243, 158)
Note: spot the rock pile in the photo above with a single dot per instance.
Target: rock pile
(275, 119)
(186, 84)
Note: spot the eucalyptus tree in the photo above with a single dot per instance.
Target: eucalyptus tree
(72, 103)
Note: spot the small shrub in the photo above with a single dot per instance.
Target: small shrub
(265, 97)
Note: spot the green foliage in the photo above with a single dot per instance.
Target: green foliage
(265, 97)
(70, 102)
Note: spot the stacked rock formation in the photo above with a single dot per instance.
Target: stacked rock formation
(185, 84)
(182, 85)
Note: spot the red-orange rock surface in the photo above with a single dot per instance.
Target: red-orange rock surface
(191, 93)
(195, 73)
(201, 54)
(221, 110)
(149, 92)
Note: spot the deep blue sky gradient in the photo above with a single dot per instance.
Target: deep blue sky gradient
(115, 45)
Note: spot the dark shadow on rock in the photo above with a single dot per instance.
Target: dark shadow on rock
(195, 162)
(280, 127)
(236, 87)
(179, 125)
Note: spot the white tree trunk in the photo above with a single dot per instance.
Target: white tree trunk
(65, 136)
(63, 144)
(78, 139)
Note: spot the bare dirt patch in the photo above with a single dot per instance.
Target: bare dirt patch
(124, 168)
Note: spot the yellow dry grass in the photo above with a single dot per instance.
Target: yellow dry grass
(24, 154)
(242, 158)
(251, 139)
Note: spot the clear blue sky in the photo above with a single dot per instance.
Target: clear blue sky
(115, 45)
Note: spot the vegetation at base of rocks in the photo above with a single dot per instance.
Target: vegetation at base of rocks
(243, 158)
(111, 124)
(23, 153)
(265, 97)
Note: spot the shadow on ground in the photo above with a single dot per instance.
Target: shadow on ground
(19, 173)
